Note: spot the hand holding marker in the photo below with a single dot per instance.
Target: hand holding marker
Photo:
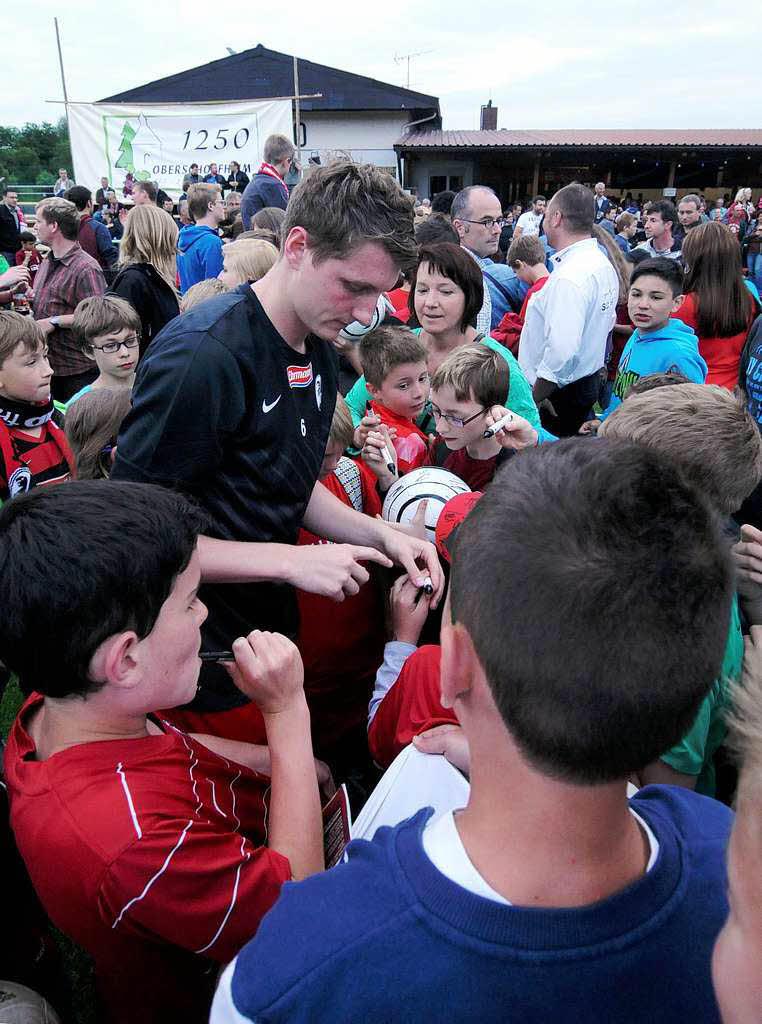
(491, 431)
(388, 457)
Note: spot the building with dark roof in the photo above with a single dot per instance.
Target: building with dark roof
(359, 116)
(520, 164)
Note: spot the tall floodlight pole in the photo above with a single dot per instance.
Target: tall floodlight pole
(63, 76)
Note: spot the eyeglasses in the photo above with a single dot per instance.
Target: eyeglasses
(454, 421)
(113, 346)
(485, 222)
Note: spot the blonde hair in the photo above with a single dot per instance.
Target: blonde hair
(92, 422)
(475, 373)
(703, 427)
(150, 236)
(342, 428)
(249, 258)
(200, 292)
(16, 330)
(103, 314)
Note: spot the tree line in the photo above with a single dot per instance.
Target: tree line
(33, 154)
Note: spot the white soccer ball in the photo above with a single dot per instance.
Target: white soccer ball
(435, 484)
(19, 1005)
(357, 331)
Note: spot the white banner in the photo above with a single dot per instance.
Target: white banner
(159, 142)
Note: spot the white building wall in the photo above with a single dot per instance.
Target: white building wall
(419, 170)
(365, 136)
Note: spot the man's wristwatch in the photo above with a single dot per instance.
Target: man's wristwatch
(55, 320)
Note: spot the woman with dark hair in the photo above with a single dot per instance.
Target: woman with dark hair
(446, 293)
(269, 218)
(718, 305)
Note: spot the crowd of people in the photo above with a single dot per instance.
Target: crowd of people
(209, 624)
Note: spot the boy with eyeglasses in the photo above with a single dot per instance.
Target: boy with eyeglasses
(108, 329)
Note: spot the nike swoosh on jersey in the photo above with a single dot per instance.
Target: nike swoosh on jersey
(268, 408)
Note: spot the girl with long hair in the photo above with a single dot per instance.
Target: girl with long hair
(147, 275)
(717, 305)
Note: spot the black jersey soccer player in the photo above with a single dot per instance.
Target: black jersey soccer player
(233, 404)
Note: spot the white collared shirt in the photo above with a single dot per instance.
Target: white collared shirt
(484, 316)
(568, 321)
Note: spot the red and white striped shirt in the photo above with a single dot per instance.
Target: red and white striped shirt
(148, 853)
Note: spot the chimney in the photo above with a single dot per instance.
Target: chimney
(488, 119)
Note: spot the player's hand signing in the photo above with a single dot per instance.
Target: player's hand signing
(518, 433)
(333, 570)
(268, 670)
(417, 557)
(409, 606)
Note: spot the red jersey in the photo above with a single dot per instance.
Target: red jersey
(342, 644)
(410, 443)
(477, 473)
(721, 355)
(27, 461)
(148, 853)
(410, 707)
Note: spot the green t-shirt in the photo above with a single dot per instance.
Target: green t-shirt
(694, 754)
(519, 398)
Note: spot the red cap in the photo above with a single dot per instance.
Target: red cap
(450, 518)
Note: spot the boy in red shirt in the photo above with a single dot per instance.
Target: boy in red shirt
(526, 257)
(394, 363)
(156, 850)
(34, 451)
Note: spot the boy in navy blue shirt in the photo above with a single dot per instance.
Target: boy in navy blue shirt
(550, 896)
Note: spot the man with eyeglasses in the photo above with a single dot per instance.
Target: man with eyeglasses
(478, 218)
(199, 247)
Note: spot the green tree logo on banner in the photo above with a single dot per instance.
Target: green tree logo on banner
(126, 161)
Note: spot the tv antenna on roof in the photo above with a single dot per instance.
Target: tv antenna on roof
(406, 57)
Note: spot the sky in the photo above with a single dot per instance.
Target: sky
(677, 65)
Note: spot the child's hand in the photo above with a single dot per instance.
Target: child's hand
(268, 670)
(589, 427)
(449, 740)
(747, 558)
(410, 607)
(517, 434)
(370, 421)
(378, 454)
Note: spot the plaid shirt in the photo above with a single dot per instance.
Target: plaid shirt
(59, 285)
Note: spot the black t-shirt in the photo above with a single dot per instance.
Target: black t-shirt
(225, 411)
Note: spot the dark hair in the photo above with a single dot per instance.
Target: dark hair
(437, 227)
(150, 189)
(27, 236)
(79, 195)
(452, 261)
(538, 199)
(128, 543)
(669, 271)
(652, 381)
(442, 202)
(636, 256)
(525, 249)
(713, 259)
(343, 205)
(567, 522)
(666, 210)
(577, 206)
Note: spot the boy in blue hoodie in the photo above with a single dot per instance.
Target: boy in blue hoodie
(199, 246)
(658, 344)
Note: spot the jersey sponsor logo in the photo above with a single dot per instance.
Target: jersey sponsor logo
(20, 481)
(299, 376)
(319, 390)
(269, 406)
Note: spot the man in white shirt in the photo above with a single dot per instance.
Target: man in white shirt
(567, 323)
(529, 222)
